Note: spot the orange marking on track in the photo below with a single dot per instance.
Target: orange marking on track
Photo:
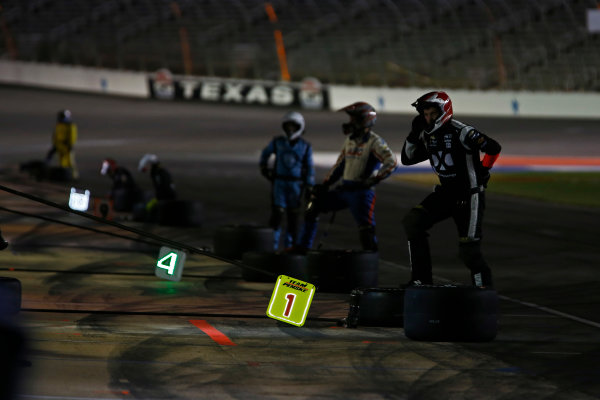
(541, 160)
(213, 332)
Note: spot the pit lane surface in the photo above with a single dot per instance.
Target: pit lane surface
(100, 325)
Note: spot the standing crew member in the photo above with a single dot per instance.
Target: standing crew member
(293, 172)
(364, 161)
(63, 142)
(453, 149)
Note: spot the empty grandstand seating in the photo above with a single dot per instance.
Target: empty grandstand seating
(483, 44)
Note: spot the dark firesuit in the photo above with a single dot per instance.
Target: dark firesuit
(453, 150)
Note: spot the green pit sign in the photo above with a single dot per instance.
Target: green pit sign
(170, 264)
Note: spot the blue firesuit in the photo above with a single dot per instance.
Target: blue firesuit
(292, 172)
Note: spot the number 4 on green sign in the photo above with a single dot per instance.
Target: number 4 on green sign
(170, 264)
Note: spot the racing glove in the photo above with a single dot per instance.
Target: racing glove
(485, 176)
(418, 125)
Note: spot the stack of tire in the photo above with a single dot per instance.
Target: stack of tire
(441, 313)
(330, 270)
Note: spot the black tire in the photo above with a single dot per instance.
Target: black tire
(450, 313)
(35, 168)
(376, 307)
(340, 271)
(179, 213)
(59, 174)
(293, 265)
(10, 296)
(232, 241)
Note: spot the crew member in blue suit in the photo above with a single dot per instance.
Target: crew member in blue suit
(291, 174)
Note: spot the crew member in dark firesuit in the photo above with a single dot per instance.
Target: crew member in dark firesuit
(364, 161)
(64, 138)
(292, 174)
(453, 149)
(124, 192)
(164, 188)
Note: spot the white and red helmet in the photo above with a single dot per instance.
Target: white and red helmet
(437, 99)
(108, 166)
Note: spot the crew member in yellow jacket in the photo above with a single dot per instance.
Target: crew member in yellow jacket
(63, 141)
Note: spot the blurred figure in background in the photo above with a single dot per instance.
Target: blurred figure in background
(164, 187)
(3, 242)
(365, 160)
(292, 173)
(124, 192)
(64, 138)
(453, 150)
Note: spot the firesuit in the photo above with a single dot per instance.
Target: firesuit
(453, 150)
(64, 138)
(364, 161)
(292, 174)
(164, 187)
(124, 192)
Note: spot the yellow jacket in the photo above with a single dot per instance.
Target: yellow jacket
(65, 136)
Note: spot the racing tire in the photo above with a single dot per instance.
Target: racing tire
(10, 296)
(340, 271)
(179, 213)
(376, 307)
(450, 313)
(232, 241)
(59, 174)
(293, 265)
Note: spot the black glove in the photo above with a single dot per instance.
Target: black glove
(485, 177)
(418, 125)
(266, 172)
(320, 189)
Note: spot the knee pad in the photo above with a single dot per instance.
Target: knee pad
(277, 214)
(416, 223)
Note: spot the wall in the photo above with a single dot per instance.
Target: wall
(301, 94)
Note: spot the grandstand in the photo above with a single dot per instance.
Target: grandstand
(477, 44)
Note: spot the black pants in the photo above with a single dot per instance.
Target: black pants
(467, 213)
